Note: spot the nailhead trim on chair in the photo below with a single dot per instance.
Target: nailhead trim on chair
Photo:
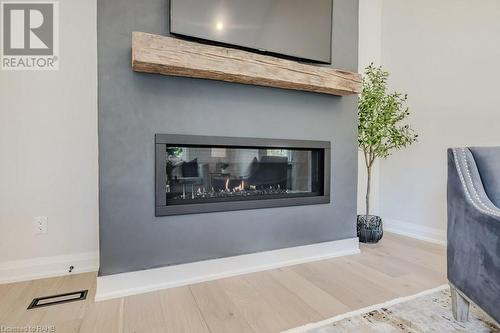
(486, 209)
(476, 194)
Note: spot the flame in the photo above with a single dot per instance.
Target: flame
(240, 187)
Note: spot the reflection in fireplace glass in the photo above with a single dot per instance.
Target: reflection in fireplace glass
(203, 174)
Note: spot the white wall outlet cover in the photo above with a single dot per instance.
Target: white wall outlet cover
(40, 225)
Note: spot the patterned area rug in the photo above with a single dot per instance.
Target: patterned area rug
(429, 311)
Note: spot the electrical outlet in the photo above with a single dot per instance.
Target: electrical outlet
(40, 225)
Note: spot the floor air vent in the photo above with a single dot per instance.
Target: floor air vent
(58, 299)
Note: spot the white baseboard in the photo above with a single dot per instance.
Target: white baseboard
(131, 283)
(43, 267)
(415, 231)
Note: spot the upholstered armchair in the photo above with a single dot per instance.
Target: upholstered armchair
(474, 230)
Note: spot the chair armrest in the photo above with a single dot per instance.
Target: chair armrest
(471, 182)
(473, 235)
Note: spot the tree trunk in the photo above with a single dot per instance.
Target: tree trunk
(368, 185)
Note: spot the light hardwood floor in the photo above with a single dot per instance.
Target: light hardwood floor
(269, 301)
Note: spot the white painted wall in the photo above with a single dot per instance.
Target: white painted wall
(48, 149)
(446, 55)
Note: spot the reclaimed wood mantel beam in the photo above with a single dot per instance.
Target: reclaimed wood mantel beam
(177, 57)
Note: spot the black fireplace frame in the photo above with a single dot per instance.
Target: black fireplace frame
(163, 140)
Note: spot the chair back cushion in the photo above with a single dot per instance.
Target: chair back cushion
(270, 171)
(488, 164)
(190, 169)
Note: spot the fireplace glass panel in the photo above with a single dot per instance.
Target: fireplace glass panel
(204, 174)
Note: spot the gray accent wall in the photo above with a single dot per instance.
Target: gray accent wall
(133, 107)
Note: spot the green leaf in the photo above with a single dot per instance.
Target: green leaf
(381, 116)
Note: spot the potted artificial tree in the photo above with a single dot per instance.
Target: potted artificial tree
(381, 131)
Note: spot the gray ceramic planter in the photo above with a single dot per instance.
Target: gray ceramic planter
(370, 230)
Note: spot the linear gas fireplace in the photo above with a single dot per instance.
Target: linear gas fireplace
(200, 174)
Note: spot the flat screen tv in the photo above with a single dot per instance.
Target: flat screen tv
(295, 28)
